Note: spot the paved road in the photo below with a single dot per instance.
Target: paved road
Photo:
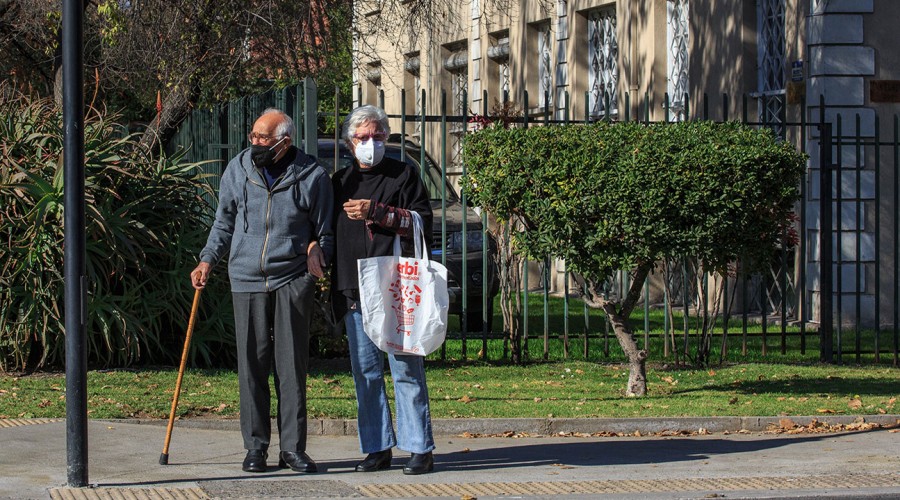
(205, 462)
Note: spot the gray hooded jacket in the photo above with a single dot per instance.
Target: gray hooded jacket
(267, 231)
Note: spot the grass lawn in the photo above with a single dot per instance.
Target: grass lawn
(461, 389)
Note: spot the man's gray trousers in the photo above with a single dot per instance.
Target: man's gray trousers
(273, 328)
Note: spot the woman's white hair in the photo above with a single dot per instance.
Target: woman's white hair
(364, 114)
(286, 127)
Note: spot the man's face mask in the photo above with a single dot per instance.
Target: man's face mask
(264, 156)
(370, 152)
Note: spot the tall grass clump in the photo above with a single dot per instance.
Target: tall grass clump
(146, 220)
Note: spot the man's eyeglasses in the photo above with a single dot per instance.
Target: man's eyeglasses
(256, 136)
(378, 136)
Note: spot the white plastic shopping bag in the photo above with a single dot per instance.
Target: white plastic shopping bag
(404, 301)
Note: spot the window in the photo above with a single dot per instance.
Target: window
(677, 46)
(498, 53)
(373, 79)
(545, 67)
(771, 43)
(603, 51)
(457, 65)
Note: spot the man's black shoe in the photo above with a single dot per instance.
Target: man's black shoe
(419, 463)
(255, 461)
(379, 460)
(298, 461)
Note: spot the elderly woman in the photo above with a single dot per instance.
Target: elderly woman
(373, 200)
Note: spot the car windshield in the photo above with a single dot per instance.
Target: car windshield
(326, 158)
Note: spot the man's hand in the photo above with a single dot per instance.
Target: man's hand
(315, 259)
(200, 274)
(357, 209)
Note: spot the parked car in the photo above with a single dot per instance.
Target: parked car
(474, 238)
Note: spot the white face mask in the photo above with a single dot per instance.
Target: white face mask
(369, 153)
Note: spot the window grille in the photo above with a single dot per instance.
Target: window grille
(460, 88)
(457, 64)
(412, 66)
(420, 104)
(504, 80)
(772, 49)
(603, 51)
(545, 69)
(677, 43)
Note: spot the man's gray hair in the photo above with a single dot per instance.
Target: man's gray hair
(286, 127)
(363, 114)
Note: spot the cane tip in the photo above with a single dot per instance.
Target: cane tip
(164, 459)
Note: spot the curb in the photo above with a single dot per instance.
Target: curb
(554, 426)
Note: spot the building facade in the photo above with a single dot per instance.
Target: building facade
(769, 62)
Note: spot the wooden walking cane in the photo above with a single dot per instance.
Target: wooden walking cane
(164, 457)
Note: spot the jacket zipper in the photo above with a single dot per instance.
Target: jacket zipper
(262, 256)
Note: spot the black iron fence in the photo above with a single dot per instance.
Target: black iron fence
(834, 296)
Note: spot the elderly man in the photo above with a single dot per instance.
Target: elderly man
(273, 201)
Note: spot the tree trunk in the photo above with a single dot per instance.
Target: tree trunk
(637, 358)
(509, 265)
(618, 314)
(175, 107)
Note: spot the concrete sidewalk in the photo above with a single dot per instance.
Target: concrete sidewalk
(205, 462)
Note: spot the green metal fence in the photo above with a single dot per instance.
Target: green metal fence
(771, 320)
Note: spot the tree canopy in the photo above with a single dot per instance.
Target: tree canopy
(189, 53)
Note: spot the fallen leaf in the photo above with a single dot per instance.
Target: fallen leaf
(538, 400)
(855, 404)
(466, 399)
(826, 410)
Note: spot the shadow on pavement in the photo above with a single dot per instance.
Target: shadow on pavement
(599, 453)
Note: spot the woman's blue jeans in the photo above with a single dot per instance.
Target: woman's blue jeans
(376, 432)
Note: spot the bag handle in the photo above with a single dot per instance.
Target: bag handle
(418, 237)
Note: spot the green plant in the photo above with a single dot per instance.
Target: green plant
(626, 196)
(146, 219)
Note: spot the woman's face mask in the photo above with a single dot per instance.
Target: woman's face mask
(370, 152)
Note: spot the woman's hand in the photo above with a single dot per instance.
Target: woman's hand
(357, 209)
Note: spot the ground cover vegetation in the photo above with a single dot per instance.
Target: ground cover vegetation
(610, 197)
(561, 389)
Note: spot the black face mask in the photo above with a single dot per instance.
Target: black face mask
(264, 156)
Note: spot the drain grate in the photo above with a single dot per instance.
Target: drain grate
(18, 422)
(128, 493)
(630, 486)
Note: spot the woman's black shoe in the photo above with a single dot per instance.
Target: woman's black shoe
(255, 461)
(298, 461)
(419, 463)
(379, 460)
